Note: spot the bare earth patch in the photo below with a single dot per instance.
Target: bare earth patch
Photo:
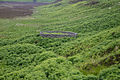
(18, 9)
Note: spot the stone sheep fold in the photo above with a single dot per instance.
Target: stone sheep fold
(55, 34)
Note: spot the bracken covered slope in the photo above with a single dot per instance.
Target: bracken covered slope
(93, 55)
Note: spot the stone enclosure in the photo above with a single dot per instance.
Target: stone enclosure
(57, 34)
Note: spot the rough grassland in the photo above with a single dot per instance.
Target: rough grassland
(93, 55)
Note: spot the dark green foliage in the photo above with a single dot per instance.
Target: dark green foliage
(44, 56)
(112, 59)
(19, 54)
(51, 69)
(75, 1)
(44, 42)
(6, 42)
(91, 77)
(112, 73)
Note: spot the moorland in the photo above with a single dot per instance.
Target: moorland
(93, 55)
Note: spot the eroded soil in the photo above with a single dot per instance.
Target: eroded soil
(18, 9)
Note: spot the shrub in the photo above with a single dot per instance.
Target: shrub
(19, 54)
(112, 73)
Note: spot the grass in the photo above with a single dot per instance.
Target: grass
(94, 54)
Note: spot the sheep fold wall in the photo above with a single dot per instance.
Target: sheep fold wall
(51, 34)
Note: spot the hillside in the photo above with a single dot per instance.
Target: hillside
(93, 55)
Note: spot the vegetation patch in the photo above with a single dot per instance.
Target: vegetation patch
(92, 2)
(112, 73)
(75, 1)
(57, 4)
(111, 60)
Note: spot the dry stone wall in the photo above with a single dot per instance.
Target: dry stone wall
(52, 35)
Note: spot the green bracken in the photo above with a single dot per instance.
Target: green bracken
(93, 55)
